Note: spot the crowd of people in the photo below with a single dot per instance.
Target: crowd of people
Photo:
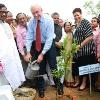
(40, 38)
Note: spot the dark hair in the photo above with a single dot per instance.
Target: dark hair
(9, 11)
(66, 23)
(55, 13)
(77, 10)
(2, 5)
(96, 19)
(99, 16)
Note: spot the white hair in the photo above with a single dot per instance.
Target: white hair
(36, 6)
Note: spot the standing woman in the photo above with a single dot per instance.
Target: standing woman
(69, 37)
(85, 55)
(21, 32)
(68, 72)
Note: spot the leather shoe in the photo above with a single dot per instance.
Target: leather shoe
(41, 94)
(97, 90)
(60, 92)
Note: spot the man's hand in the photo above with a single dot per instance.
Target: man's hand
(40, 58)
(28, 57)
(23, 55)
(58, 44)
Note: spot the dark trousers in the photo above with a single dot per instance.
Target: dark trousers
(82, 61)
(24, 63)
(49, 57)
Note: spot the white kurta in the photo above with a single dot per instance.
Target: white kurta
(9, 56)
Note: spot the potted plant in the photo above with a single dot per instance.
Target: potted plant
(63, 61)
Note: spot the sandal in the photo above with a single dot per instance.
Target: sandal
(69, 84)
(75, 85)
(82, 87)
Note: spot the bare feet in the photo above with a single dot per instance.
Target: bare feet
(82, 87)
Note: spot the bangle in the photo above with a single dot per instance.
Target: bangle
(80, 46)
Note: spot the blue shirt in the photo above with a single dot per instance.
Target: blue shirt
(47, 33)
